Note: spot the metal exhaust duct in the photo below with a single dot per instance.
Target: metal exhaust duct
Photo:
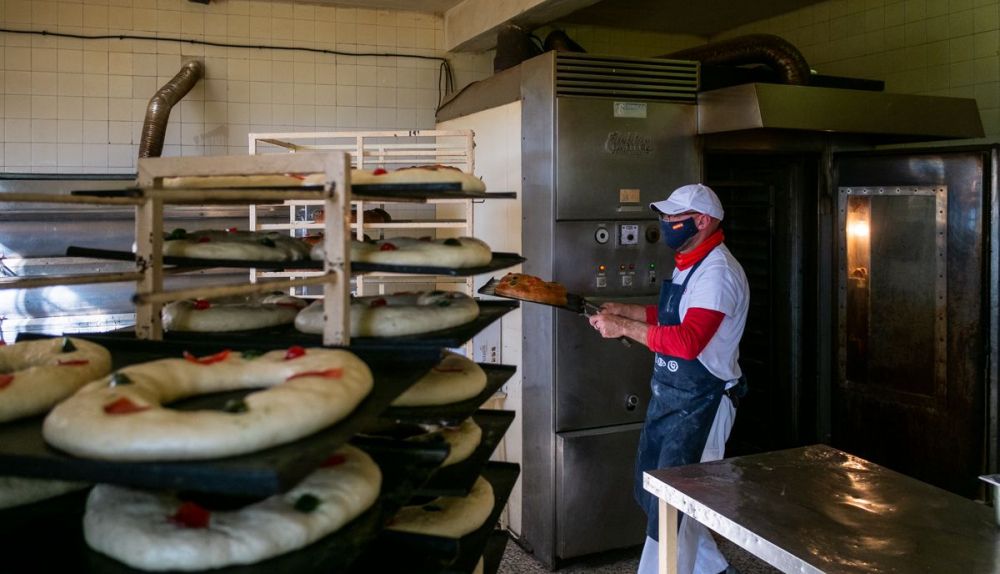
(154, 126)
(768, 49)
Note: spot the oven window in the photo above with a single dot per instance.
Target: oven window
(892, 296)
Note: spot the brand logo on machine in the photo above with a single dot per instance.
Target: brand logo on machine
(630, 109)
(672, 366)
(628, 143)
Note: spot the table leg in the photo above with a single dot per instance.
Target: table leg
(667, 549)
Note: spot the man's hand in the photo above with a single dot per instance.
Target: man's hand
(612, 326)
(608, 324)
(633, 312)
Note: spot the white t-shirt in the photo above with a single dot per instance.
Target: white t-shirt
(719, 284)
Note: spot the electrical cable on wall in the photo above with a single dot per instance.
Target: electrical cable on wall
(446, 79)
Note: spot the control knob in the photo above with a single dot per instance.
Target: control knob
(602, 235)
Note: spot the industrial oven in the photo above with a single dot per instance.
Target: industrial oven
(597, 140)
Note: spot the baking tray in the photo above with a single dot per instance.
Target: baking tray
(403, 469)
(575, 303)
(457, 479)
(454, 337)
(416, 553)
(387, 191)
(500, 261)
(419, 192)
(130, 350)
(454, 413)
(23, 451)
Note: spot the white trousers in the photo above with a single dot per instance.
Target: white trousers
(696, 549)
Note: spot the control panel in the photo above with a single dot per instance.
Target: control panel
(624, 258)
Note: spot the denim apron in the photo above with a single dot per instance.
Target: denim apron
(685, 399)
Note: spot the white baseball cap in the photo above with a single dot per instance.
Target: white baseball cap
(692, 197)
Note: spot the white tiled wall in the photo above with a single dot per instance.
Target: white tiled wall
(934, 47)
(71, 105)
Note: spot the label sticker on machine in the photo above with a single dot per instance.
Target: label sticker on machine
(628, 195)
(630, 109)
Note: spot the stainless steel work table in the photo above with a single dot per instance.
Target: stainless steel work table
(817, 509)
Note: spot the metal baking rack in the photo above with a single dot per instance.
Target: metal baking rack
(153, 192)
(388, 150)
(148, 200)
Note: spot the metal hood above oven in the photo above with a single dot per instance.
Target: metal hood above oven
(886, 117)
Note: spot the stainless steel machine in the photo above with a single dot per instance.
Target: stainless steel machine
(600, 139)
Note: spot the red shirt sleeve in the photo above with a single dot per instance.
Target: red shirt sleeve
(651, 314)
(687, 340)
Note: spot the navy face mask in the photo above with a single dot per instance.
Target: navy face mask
(676, 233)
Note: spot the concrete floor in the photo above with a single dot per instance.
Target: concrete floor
(517, 561)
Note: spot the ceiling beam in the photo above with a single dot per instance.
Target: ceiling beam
(471, 25)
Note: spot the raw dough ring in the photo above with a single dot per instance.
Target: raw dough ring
(231, 313)
(120, 417)
(419, 174)
(35, 375)
(456, 378)
(397, 315)
(141, 528)
(448, 516)
(452, 253)
(234, 244)
(463, 440)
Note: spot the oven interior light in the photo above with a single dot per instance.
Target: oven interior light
(858, 229)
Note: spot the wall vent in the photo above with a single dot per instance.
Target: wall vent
(584, 75)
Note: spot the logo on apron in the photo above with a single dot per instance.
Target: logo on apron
(660, 362)
(672, 366)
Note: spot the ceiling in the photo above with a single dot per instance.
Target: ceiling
(701, 18)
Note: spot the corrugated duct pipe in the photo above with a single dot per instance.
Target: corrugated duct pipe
(154, 126)
(768, 49)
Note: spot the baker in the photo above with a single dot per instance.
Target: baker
(695, 332)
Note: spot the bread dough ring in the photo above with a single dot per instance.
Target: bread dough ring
(397, 315)
(419, 174)
(453, 252)
(16, 491)
(146, 530)
(262, 180)
(231, 313)
(35, 375)
(234, 244)
(463, 440)
(456, 378)
(448, 516)
(406, 175)
(120, 417)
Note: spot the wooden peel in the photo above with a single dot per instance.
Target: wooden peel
(575, 303)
